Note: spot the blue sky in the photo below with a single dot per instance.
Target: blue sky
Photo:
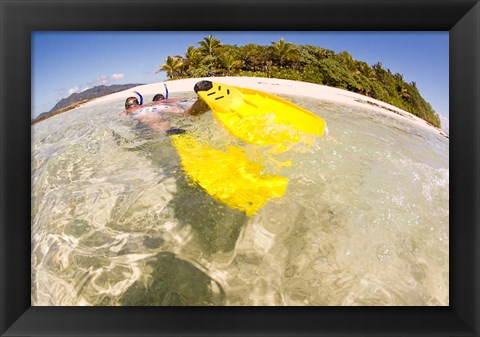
(67, 62)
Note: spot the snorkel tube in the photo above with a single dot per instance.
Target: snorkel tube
(139, 96)
(166, 91)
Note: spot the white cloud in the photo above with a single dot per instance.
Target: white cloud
(73, 90)
(117, 76)
(103, 80)
(100, 80)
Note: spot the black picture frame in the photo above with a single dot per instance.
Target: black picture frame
(20, 18)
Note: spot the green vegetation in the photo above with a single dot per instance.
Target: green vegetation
(303, 63)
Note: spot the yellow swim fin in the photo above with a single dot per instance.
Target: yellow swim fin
(229, 177)
(258, 117)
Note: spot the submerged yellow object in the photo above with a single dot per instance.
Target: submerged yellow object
(229, 177)
(258, 117)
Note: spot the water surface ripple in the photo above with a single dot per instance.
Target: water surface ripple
(115, 221)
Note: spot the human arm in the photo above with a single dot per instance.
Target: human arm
(154, 122)
(197, 108)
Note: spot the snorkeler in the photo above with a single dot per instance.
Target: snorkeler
(151, 115)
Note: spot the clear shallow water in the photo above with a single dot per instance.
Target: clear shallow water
(115, 221)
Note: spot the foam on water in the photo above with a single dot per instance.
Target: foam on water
(115, 221)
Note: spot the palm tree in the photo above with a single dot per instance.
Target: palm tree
(398, 77)
(323, 53)
(284, 51)
(403, 91)
(402, 87)
(368, 71)
(230, 63)
(209, 45)
(192, 60)
(378, 67)
(172, 66)
(254, 56)
(267, 67)
(380, 72)
(348, 60)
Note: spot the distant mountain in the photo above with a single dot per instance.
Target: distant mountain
(91, 93)
(77, 99)
(41, 116)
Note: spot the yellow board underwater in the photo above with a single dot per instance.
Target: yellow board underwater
(229, 177)
(258, 117)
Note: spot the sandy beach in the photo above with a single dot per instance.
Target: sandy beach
(282, 87)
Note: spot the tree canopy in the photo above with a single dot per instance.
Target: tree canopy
(303, 63)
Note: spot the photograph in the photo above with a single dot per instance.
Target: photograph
(225, 168)
(240, 168)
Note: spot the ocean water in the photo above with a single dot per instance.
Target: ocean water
(115, 220)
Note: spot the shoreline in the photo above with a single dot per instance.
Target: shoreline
(279, 86)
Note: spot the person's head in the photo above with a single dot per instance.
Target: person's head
(158, 97)
(131, 102)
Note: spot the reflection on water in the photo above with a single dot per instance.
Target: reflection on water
(115, 221)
